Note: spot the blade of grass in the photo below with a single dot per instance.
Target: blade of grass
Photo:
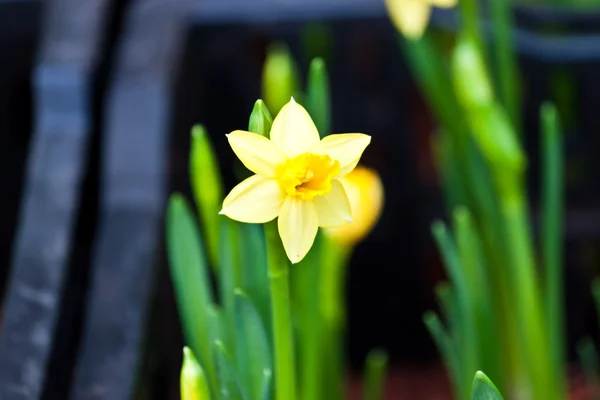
(230, 386)
(468, 340)
(253, 351)
(551, 232)
(447, 303)
(478, 280)
(448, 351)
(484, 389)
(447, 165)
(230, 277)
(375, 372)
(255, 274)
(506, 61)
(191, 280)
(267, 389)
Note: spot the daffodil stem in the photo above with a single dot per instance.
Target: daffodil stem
(283, 341)
(334, 259)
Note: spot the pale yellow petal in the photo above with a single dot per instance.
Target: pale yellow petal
(293, 131)
(345, 148)
(365, 192)
(409, 16)
(298, 225)
(333, 209)
(256, 152)
(255, 200)
(444, 3)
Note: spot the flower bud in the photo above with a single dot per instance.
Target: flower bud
(279, 79)
(207, 188)
(193, 383)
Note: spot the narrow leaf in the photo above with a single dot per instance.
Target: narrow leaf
(230, 277)
(191, 280)
(207, 188)
(484, 389)
(255, 277)
(375, 371)
(552, 232)
(253, 350)
(230, 386)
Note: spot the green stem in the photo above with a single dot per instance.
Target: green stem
(528, 307)
(508, 87)
(311, 329)
(466, 336)
(375, 371)
(283, 341)
(552, 250)
(334, 259)
(470, 19)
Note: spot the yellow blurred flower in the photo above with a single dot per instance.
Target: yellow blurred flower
(297, 178)
(366, 195)
(411, 16)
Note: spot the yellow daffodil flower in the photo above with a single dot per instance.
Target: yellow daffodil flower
(365, 192)
(412, 16)
(297, 178)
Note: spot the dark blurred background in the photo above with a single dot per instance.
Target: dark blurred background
(157, 68)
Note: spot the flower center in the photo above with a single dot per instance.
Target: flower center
(307, 175)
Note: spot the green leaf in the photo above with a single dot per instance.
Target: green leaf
(318, 101)
(207, 188)
(267, 389)
(447, 349)
(484, 389)
(253, 350)
(552, 242)
(230, 386)
(230, 277)
(191, 280)
(253, 248)
(375, 371)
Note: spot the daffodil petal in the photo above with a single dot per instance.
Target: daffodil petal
(255, 200)
(293, 131)
(409, 16)
(298, 225)
(333, 209)
(444, 3)
(256, 152)
(345, 148)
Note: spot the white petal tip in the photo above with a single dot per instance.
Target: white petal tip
(292, 100)
(222, 212)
